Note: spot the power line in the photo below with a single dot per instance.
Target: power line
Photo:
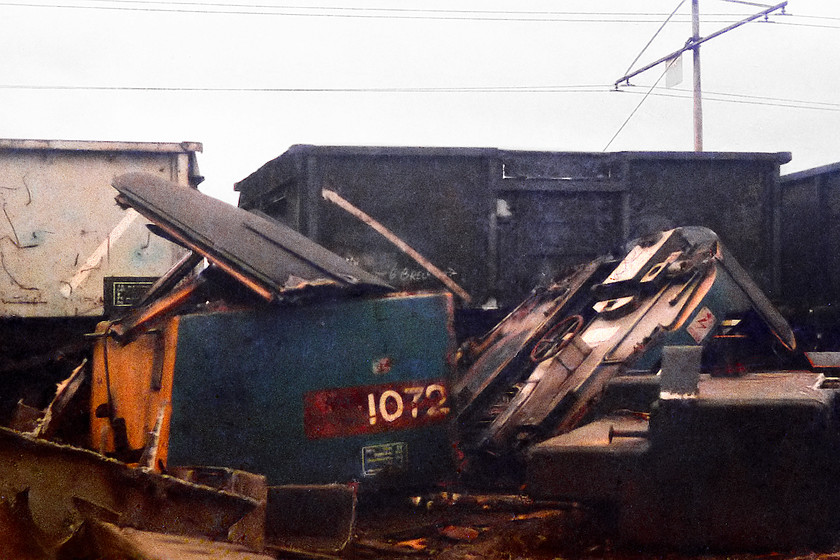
(791, 105)
(633, 112)
(813, 25)
(513, 16)
(804, 16)
(766, 98)
(434, 11)
(745, 99)
(358, 13)
(576, 88)
(667, 67)
(392, 10)
(655, 35)
(744, 2)
(225, 8)
(478, 89)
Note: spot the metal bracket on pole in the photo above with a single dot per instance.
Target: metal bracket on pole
(691, 43)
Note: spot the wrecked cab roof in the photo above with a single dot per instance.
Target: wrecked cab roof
(263, 254)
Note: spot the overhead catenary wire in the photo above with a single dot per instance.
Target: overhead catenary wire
(377, 9)
(354, 12)
(696, 41)
(421, 13)
(813, 25)
(746, 3)
(759, 98)
(502, 19)
(667, 67)
(545, 89)
(791, 104)
(655, 35)
(488, 89)
(228, 8)
(635, 110)
(500, 16)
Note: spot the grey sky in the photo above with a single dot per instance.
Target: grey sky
(250, 78)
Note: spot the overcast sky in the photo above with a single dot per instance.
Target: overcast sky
(250, 78)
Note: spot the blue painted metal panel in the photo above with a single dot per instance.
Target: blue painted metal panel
(373, 374)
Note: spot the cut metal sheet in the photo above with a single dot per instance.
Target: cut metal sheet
(821, 360)
(58, 476)
(265, 255)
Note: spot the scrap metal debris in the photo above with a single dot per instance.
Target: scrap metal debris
(608, 401)
(545, 368)
(57, 475)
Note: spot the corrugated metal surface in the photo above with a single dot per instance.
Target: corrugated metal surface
(61, 233)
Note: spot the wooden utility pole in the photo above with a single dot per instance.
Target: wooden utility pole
(693, 44)
(698, 95)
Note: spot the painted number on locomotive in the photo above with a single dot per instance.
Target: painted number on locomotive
(359, 410)
(390, 405)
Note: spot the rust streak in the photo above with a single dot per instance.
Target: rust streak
(348, 207)
(12, 278)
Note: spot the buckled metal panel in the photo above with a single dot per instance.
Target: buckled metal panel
(266, 252)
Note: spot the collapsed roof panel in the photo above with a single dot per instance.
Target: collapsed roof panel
(265, 255)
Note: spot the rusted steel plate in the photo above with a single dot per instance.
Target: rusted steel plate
(19, 536)
(824, 360)
(250, 530)
(58, 475)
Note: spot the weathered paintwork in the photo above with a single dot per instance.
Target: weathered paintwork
(270, 360)
(132, 387)
(494, 363)
(61, 233)
(810, 257)
(353, 389)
